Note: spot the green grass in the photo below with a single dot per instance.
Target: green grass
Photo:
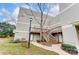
(6, 47)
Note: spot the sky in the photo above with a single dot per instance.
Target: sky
(8, 11)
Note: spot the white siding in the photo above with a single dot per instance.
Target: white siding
(69, 34)
(20, 35)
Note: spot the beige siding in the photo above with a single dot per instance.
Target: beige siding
(20, 35)
(22, 27)
(71, 15)
(63, 6)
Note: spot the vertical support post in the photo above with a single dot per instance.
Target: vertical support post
(29, 33)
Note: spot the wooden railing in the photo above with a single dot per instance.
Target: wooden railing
(49, 38)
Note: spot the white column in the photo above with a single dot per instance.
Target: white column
(70, 35)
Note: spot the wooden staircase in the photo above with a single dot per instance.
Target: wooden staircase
(50, 39)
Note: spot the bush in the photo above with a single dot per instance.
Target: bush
(6, 29)
(69, 48)
(3, 35)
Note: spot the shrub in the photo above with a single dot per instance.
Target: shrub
(3, 35)
(6, 29)
(69, 48)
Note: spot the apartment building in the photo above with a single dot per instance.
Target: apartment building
(63, 28)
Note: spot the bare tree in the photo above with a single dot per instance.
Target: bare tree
(42, 8)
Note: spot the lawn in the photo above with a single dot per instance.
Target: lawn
(9, 48)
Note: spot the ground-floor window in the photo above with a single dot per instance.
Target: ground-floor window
(35, 37)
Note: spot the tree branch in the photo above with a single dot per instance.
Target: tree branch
(46, 16)
(33, 14)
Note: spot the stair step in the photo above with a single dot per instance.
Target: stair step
(49, 39)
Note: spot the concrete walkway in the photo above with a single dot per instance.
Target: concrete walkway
(56, 48)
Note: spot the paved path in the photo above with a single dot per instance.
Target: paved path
(56, 48)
